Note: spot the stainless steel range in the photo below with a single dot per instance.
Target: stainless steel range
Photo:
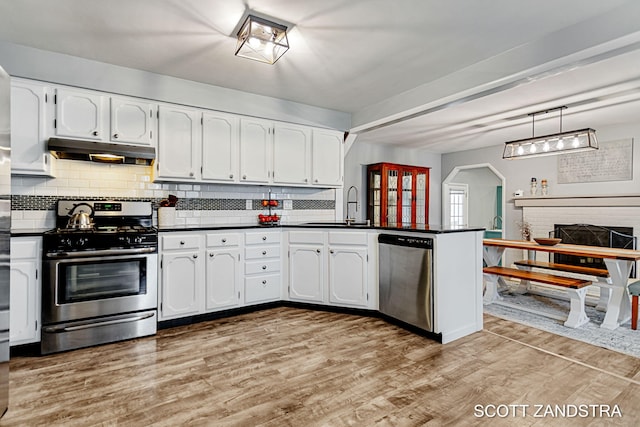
(100, 274)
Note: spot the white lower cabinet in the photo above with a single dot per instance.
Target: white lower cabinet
(181, 276)
(262, 282)
(329, 267)
(348, 276)
(223, 271)
(25, 286)
(306, 272)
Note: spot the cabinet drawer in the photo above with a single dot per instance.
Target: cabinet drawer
(223, 239)
(260, 252)
(180, 241)
(309, 237)
(24, 249)
(265, 266)
(265, 287)
(347, 238)
(264, 237)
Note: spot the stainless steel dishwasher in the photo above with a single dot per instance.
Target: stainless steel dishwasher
(406, 279)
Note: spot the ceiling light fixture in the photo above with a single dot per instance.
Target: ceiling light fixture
(262, 40)
(547, 145)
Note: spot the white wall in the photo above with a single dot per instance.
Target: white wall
(482, 200)
(362, 154)
(518, 173)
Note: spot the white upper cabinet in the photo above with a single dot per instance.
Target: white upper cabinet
(178, 143)
(255, 150)
(291, 154)
(219, 146)
(80, 114)
(29, 155)
(327, 158)
(132, 121)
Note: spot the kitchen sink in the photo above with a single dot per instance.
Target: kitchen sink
(338, 224)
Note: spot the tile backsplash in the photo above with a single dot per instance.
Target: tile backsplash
(34, 198)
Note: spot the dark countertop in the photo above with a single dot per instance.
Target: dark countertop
(434, 229)
(26, 232)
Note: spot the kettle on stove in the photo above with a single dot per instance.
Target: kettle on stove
(80, 220)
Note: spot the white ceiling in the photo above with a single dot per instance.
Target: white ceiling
(439, 75)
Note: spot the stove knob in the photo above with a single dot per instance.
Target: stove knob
(82, 241)
(65, 241)
(138, 239)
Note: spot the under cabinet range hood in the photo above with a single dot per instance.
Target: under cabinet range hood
(77, 149)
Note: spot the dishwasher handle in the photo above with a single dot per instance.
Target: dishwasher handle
(409, 241)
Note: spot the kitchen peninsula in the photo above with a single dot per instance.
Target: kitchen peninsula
(209, 270)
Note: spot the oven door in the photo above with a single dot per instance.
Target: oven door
(89, 287)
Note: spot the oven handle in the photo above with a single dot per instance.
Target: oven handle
(61, 329)
(106, 252)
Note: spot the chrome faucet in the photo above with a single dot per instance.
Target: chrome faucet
(349, 219)
(494, 222)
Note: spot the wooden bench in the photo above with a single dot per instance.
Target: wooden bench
(590, 271)
(576, 288)
(601, 275)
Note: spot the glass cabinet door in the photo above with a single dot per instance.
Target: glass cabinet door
(397, 195)
(374, 198)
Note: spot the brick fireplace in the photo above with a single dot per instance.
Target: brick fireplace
(542, 213)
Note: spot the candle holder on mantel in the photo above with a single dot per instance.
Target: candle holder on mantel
(545, 187)
(270, 218)
(534, 186)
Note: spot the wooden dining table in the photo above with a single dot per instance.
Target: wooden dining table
(619, 263)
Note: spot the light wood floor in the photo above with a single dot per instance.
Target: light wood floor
(294, 367)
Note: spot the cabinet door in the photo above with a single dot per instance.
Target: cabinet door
(80, 115)
(348, 281)
(291, 154)
(306, 273)
(24, 316)
(182, 285)
(23, 299)
(178, 143)
(255, 150)
(29, 155)
(220, 146)
(328, 158)
(132, 121)
(223, 278)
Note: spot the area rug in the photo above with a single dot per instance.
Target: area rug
(623, 339)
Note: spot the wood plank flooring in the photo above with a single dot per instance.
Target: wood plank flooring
(295, 367)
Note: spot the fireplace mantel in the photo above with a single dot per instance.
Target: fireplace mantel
(592, 200)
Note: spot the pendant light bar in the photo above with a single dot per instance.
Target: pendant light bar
(547, 145)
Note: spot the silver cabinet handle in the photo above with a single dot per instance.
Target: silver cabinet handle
(264, 267)
(331, 251)
(224, 240)
(244, 176)
(315, 180)
(306, 180)
(211, 255)
(94, 133)
(264, 252)
(264, 282)
(264, 237)
(190, 173)
(231, 176)
(115, 135)
(182, 242)
(318, 250)
(195, 255)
